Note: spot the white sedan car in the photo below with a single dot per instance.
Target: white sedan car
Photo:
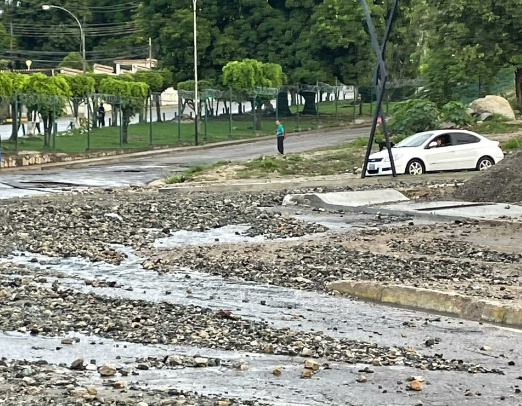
(441, 150)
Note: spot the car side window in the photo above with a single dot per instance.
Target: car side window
(443, 140)
(463, 139)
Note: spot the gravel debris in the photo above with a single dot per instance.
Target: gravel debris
(41, 383)
(501, 183)
(23, 310)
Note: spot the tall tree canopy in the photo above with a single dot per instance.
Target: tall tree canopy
(472, 39)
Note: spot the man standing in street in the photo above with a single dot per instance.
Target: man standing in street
(280, 134)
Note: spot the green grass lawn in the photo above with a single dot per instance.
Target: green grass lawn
(213, 130)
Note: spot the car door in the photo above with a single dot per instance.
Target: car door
(439, 158)
(466, 148)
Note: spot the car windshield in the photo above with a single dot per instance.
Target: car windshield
(415, 140)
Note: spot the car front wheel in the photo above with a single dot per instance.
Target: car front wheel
(415, 167)
(484, 163)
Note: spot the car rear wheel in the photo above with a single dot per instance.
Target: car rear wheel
(484, 163)
(415, 167)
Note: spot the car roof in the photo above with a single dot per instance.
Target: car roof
(450, 130)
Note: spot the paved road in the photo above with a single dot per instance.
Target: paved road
(139, 171)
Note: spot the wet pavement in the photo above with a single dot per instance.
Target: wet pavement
(334, 386)
(144, 170)
(291, 310)
(285, 308)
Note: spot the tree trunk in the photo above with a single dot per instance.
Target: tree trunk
(282, 105)
(114, 116)
(14, 118)
(93, 112)
(518, 87)
(309, 106)
(76, 108)
(126, 121)
(48, 126)
(157, 98)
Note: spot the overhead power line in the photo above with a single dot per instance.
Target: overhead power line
(94, 54)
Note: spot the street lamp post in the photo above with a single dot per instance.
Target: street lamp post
(82, 33)
(196, 96)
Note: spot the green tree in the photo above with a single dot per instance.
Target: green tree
(167, 83)
(246, 75)
(48, 96)
(52, 31)
(80, 88)
(154, 81)
(471, 41)
(189, 86)
(73, 60)
(173, 24)
(11, 85)
(127, 96)
(5, 39)
(414, 115)
(95, 99)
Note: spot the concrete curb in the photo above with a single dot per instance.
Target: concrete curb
(452, 304)
(156, 152)
(297, 183)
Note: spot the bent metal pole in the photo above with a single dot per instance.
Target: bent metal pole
(381, 79)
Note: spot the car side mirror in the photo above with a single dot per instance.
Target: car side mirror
(432, 145)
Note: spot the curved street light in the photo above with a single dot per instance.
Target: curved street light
(47, 7)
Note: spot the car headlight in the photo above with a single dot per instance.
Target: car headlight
(395, 158)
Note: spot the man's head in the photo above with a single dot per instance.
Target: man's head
(439, 142)
(278, 122)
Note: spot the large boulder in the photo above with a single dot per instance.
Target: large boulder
(493, 105)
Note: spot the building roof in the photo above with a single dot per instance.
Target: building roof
(102, 67)
(70, 71)
(135, 61)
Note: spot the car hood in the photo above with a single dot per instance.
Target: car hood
(395, 151)
(382, 154)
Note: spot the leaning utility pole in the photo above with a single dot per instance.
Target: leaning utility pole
(380, 79)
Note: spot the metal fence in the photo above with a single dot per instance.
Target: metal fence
(78, 124)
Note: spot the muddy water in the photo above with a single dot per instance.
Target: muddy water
(226, 234)
(298, 310)
(283, 307)
(335, 386)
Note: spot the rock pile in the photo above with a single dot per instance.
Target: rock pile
(311, 265)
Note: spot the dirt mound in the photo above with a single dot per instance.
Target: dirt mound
(502, 183)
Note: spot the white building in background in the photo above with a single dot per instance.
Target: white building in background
(134, 65)
(102, 69)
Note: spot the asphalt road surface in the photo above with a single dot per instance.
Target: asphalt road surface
(139, 171)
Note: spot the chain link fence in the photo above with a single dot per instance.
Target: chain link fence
(32, 122)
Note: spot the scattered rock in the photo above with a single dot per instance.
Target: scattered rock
(107, 370)
(118, 385)
(415, 386)
(78, 364)
(277, 371)
(311, 364)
